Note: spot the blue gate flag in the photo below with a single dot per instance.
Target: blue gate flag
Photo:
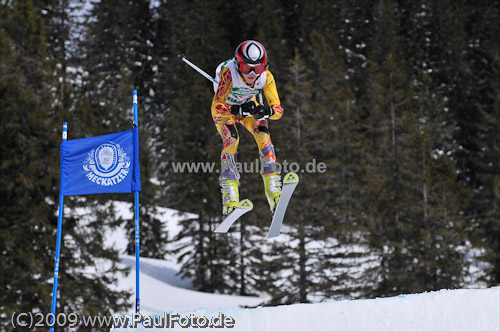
(101, 164)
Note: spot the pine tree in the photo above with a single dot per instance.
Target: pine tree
(188, 135)
(290, 260)
(455, 45)
(417, 223)
(385, 192)
(439, 199)
(30, 190)
(452, 69)
(63, 21)
(338, 142)
(484, 60)
(29, 159)
(117, 59)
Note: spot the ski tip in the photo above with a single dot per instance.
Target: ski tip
(245, 204)
(291, 178)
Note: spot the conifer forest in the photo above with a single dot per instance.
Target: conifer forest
(399, 100)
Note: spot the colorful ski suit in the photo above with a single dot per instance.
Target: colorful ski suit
(232, 90)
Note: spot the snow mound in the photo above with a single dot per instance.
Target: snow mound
(446, 310)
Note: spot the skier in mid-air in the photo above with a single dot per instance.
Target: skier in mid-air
(240, 79)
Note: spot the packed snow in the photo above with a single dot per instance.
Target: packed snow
(168, 303)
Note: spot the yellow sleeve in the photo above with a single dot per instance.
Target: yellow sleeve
(271, 94)
(219, 106)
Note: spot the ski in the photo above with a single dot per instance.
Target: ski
(289, 183)
(243, 207)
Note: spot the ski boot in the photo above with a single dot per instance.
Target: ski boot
(272, 188)
(230, 196)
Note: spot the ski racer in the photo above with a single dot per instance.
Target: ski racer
(240, 80)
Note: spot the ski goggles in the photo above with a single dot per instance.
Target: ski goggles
(247, 69)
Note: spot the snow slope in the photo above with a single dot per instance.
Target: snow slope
(162, 293)
(446, 310)
(160, 288)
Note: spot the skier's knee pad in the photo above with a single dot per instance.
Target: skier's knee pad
(263, 129)
(232, 131)
(230, 138)
(229, 132)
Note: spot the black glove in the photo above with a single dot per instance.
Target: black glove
(243, 110)
(263, 112)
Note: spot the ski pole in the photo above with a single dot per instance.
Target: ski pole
(199, 70)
